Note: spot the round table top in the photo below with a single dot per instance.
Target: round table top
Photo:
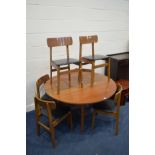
(75, 95)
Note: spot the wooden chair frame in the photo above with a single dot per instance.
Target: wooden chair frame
(62, 41)
(39, 82)
(84, 60)
(52, 123)
(117, 99)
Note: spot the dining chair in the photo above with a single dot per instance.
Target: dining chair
(54, 117)
(92, 58)
(40, 93)
(61, 64)
(109, 107)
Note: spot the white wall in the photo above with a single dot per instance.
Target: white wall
(56, 18)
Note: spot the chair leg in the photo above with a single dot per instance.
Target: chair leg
(93, 119)
(92, 73)
(52, 132)
(38, 129)
(82, 118)
(71, 121)
(80, 75)
(37, 113)
(51, 74)
(117, 124)
(58, 81)
(69, 75)
(109, 69)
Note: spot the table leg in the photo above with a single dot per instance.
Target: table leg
(82, 118)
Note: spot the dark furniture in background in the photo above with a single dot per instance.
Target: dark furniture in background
(119, 66)
(119, 72)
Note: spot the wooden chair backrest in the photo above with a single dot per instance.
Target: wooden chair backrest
(117, 97)
(88, 39)
(62, 41)
(39, 82)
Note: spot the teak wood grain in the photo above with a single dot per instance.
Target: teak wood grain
(88, 39)
(74, 94)
(62, 41)
(101, 90)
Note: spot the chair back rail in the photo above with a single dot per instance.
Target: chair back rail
(39, 82)
(88, 39)
(62, 41)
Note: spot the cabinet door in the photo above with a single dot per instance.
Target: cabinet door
(123, 69)
(119, 66)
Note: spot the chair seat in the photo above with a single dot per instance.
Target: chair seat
(65, 61)
(62, 106)
(107, 106)
(46, 97)
(57, 113)
(58, 104)
(96, 57)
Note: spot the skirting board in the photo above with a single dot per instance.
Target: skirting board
(30, 107)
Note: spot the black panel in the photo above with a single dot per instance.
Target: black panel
(119, 68)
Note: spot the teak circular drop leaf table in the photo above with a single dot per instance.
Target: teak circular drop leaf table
(74, 94)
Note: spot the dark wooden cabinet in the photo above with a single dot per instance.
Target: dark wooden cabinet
(119, 66)
(119, 71)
